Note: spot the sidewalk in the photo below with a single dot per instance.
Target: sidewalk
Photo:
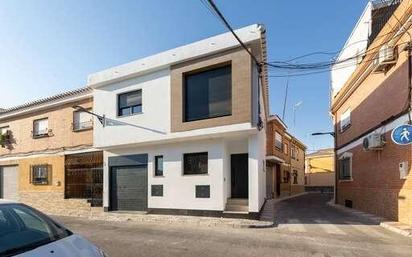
(139, 217)
(397, 227)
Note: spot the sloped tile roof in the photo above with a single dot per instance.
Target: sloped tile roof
(50, 99)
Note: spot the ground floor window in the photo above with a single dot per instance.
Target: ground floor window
(295, 177)
(195, 163)
(40, 174)
(345, 167)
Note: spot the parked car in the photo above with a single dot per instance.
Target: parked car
(26, 232)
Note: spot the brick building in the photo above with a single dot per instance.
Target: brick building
(285, 160)
(370, 97)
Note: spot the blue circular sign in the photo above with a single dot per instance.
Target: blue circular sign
(402, 135)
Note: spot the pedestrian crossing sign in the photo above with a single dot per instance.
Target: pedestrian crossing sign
(402, 135)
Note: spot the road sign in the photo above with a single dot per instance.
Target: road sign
(402, 135)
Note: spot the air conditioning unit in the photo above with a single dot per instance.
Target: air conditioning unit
(387, 57)
(374, 141)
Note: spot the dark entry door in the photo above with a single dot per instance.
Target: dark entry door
(277, 170)
(239, 174)
(129, 188)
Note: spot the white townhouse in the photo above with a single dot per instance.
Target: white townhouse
(181, 133)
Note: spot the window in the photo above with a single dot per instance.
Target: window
(285, 148)
(286, 176)
(159, 165)
(278, 141)
(40, 128)
(208, 94)
(345, 121)
(129, 103)
(195, 163)
(82, 121)
(345, 167)
(3, 130)
(40, 174)
(293, 152)
(295, 177)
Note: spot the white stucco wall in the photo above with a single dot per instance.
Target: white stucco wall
(179, 189)
(355, 45)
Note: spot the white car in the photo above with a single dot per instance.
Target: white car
(26, 232)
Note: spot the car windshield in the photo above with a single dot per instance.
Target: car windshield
(23, 229)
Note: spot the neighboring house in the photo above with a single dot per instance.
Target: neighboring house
(47, 159)
(374, 98)
(181, 132)
(320, 170)
(285, 160)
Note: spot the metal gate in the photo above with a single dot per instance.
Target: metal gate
(84, 177)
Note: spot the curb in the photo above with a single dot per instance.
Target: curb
(379, 220)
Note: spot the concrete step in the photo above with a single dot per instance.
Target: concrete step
(236, 207)
(238, 201)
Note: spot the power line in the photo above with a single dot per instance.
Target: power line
(226, 23)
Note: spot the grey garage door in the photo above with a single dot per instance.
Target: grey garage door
(8, 182)
(129, 188)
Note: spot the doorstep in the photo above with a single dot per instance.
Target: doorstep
(394, 226)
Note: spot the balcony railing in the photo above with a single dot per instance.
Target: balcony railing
(79, 126)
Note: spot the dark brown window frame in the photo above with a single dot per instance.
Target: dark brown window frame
(48, 177)
(157, 172)
(191, 173)
(35, 136)
(118, 111)
(202, 70)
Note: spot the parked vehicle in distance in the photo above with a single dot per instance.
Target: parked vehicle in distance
(26, 232)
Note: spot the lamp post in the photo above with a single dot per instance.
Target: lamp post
(295, 107)
(323, 133)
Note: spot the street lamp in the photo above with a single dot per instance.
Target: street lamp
(323, 133)
(295, 107)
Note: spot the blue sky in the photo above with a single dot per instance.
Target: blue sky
(47, 47)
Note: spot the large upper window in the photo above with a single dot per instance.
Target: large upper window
(129, 103)
(208, 94)
(195, 163)
(3, 130)
(40, 127)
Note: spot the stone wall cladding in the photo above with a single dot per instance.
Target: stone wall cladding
(53, 203)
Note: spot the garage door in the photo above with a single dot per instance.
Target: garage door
(129, 188)
(8, 182)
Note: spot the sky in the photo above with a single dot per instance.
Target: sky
(48, 47)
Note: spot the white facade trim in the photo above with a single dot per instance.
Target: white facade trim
(383, 129)
(165, 59)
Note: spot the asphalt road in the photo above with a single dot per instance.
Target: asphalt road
(306, 226)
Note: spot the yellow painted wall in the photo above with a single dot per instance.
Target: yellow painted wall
(57, 174)
(320, 170)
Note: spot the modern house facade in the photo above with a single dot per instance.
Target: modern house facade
(320, 170)
(47, 159)
(182, 130)
(368, 103)
(285, 160)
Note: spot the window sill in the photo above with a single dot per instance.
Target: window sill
(83, 129)
(158, 176)
(129, 115)
(207, 118)
(345, 180)
(191, 175)
(40, 136)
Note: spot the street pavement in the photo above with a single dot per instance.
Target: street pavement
(304, 226)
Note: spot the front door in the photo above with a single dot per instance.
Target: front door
(239, 174)
(128, 188)
(277, 170)
(9, 182)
